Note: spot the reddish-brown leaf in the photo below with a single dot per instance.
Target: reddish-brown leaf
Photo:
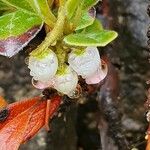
(24, 120)
(3, 103)
(16, 108)
(37, 120)
(12, 134)
(148, 143)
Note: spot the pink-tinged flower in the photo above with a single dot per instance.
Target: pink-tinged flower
(42, 85)
(66, 81)
(99, 75)
(85, 62)
(76, 93)
(43, 67)
(21, 120)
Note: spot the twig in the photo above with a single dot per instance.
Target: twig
(112, 137)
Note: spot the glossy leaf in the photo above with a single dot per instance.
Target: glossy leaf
(71, 7)
(24, 121)
(41, 8)
(16, 23)
(91, 39)
(17, 29)
(12, 134)
(37, 120)
(17, 108)
(4, 7)
(19, 4)
(95, 27)
(89, 3)
(87, 19)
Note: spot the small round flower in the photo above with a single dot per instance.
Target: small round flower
(42, 85)
(75, 93)
(99, 75)
(85, 62)
(43, 67)
(66, 81)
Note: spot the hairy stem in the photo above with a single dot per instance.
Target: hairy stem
(54, 35)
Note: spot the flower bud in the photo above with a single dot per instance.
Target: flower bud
(99, 75)
(43, 67)
(66, 82)
(75, 93)
(85, 62)
(40, 85)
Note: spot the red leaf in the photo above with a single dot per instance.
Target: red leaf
(38, 117)
(18, 107)
(25, 119)
(12, 134)
(3, 103)
(148, 143)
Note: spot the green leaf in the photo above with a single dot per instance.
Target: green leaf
(95, 27)
(87, 19)
(41, 7)
(87, 4)
(16, 23)
(19, 4)
(71, 7)
(3, 6)
(91, 39)
(17, 29)
(38, 7)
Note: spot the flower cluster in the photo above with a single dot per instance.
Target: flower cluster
(81, 62)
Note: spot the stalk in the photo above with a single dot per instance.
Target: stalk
(54, 35)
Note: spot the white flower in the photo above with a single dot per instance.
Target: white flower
(42, 85)
(44, 67)
(99, 75)
(85, 63)
(66, 82)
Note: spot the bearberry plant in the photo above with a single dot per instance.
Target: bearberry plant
(68, 52)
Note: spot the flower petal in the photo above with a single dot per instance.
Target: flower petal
(41, 85)
(44, 67)
(67, 82)
(85, 63)
(99, 75)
